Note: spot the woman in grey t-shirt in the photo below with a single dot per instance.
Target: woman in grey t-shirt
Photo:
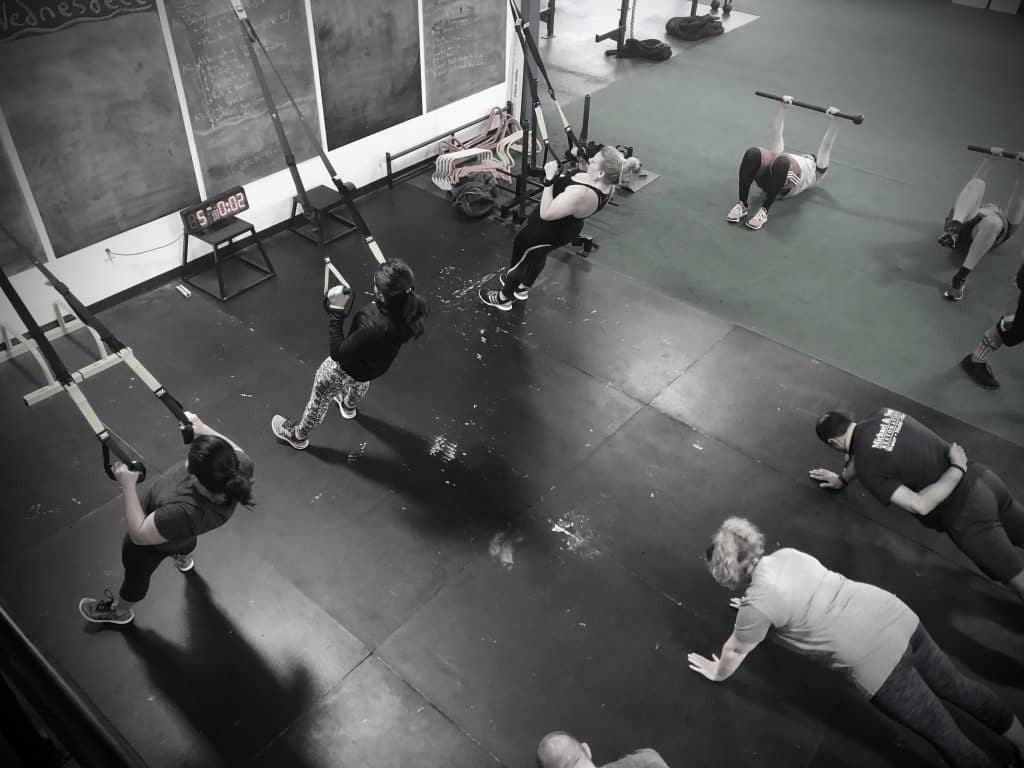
(863, 631)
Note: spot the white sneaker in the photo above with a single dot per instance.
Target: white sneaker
(757, 220)
(736, 214)
(346, 412)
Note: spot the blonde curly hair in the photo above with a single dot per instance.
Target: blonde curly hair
(734, 551)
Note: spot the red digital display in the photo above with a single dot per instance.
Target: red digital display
(210, 214)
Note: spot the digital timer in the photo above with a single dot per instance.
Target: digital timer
(214, 212)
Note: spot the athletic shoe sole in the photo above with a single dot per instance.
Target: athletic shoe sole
(187, 568)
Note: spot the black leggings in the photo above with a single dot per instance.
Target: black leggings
(771, 181)
(140, 562)
(530, 249)
(914, 693)
(989, 527)
(1014, 335)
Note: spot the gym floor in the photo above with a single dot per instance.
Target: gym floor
(509, 538)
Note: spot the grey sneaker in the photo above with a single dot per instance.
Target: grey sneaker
(345, 411)
(103, 612)
(521, 292)
(284, 429)
(757, 220)
(737, 213)
(185, 563)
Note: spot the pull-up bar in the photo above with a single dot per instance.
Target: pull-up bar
(988, 151)
(855, 119)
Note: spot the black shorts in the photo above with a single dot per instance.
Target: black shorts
(989, 528)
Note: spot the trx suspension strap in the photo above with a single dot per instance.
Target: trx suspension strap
(530, 49)
(344, 189)
(111, 442)
(531, 81)
(123, 352)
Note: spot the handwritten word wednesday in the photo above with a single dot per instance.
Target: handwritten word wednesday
(19, 18)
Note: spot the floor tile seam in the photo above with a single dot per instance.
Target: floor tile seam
(19, 557)
(795, 481)
(437, 708)
(312, 707)
(425, 602)
(694, 362)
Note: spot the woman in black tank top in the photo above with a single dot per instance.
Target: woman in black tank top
(558, 219)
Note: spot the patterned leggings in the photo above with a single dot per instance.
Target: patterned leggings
(329, 382)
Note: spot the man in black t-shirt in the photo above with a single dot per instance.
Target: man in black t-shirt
(902, 462)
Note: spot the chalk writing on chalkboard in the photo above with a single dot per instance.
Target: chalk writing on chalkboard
(234, 135)
(464, 47)
(18, 19)
(95, 119)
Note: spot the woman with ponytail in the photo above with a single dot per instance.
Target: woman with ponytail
(192, 498)
(567, 200)
(376, 334)
(866, 633)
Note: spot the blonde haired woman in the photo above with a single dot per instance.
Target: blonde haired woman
(567, 200)
(863, 631)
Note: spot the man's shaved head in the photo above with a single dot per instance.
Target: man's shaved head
(561, 750)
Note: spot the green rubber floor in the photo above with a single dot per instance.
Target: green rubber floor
(850, 272)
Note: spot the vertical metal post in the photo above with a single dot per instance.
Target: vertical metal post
(530, 10)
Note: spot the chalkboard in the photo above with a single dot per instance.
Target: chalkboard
(463, 48)
(235, 138)
(369, 59)
(18, 238)
(94, 115)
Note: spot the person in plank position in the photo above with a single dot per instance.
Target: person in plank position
(867, 634)
(779, 173)
(900, 461)
(1008, 330)
(974, 228)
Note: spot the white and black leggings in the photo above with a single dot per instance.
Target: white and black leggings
(329, 382)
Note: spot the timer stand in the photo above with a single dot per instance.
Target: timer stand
(323, 225)
(218, 237)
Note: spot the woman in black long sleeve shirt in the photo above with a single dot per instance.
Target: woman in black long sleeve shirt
(374, 337)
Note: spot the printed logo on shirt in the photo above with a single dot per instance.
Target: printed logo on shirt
(888, 430)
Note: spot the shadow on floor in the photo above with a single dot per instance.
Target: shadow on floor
(221, 683)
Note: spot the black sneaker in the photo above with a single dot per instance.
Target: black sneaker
(495, 299)
(947, 240)
(521, 292)
(955, 292)
(981, 373)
